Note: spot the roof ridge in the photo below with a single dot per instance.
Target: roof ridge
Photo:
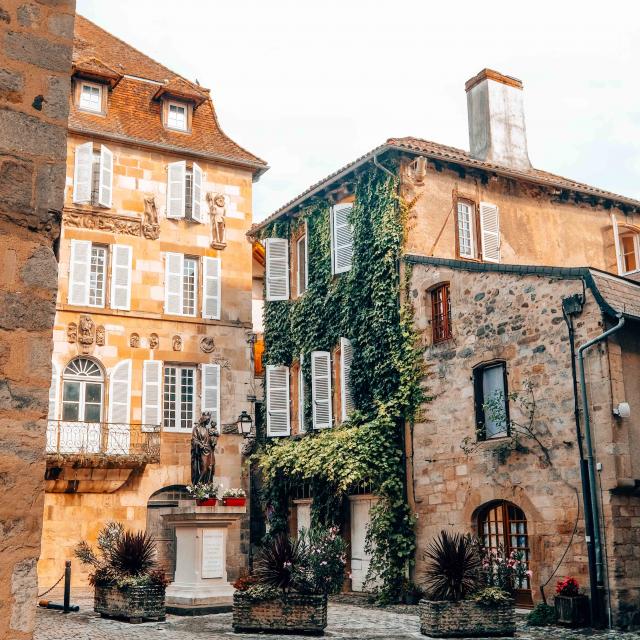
(148, 57)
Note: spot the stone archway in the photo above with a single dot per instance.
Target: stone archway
(159, 504)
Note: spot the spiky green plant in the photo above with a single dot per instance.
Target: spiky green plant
(133, 554)
(278, 560)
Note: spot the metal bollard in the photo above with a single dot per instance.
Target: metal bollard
(66, 607)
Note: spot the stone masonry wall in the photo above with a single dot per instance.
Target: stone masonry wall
(518, 319)
(35, 49)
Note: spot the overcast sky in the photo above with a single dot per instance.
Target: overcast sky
(309, 85)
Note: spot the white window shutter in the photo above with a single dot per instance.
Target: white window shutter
(346, 356)
(211, 279)
(278, 423)
(490, 232)
(616, 239)
(121, 259)
(105, 191)
(152, 392)
(197, 210)
(277, 268)
(54, 392)
(173, 270)
(176, 189)
(341, 238)
(211, 392)
(83, 173)
(79, 272)
(120, 393)
(301, 395)
(321, 389)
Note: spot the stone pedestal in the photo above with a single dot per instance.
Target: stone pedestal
(206, 538)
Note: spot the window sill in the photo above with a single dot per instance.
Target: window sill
(92, 112)
(186, 432)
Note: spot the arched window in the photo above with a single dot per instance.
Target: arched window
(440, 313)
(503, 525)
(82, 391)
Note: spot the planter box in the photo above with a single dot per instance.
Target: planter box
(234, 502)
(572, 611)
(207, 502)
(133, 604)
(466, 619)
(292, 613)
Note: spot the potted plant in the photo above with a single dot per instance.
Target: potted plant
(288, 591)
(126, 582)
(205, 493)
(234, 498)
(458, 602)
(572, 607)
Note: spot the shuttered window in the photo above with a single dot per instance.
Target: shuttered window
(152, 392)
(180, 284)
(90, 168)
(120, 393)
(79, 272)
(302, 277)
(301, 395)
(83, 173)
(176, 189)
(490, 232)
(197, 210)
(341, 238)
(211, 281)
(54, 392)
(97, 276)
(278, 419)
(121, 259)
(211, 392)
(466, 230)
(105, 173)
(178, 405)
(277, 269)
(321, 389)
(346, 356)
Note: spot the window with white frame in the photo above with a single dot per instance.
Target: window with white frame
(630, 250)
(185, 192)
(302, 277)
(93, 175)
(177, 116)
(189, 286)
(90, 98)
(466, 230)
(341, 238)
(181, 284)
(97, 275)
(179, 397)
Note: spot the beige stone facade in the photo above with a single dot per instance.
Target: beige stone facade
(154, 309)
(36, 62)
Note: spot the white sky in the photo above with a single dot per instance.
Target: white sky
(309, 85)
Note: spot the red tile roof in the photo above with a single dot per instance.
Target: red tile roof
(134, 115)
(445, 153)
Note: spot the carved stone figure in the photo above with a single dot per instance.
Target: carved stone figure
(217, 212)
(207, 345)
(417, 171)
(134, 340)
(72, 332)
(154, 341)
(203, 446)
(177, 343)
(100, 336)
(150, 226)
(102, 222)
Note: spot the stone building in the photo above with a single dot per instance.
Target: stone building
(487, 207)
(35, 48)
(153, 315)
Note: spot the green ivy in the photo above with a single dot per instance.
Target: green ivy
(364, 306)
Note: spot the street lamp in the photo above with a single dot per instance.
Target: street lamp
(244, 423)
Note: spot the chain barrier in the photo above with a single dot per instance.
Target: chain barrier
(52, 588)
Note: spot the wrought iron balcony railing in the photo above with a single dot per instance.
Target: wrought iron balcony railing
(103, 439)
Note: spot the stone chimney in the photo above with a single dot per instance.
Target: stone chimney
(496, 120)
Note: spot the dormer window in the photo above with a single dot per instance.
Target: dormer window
(630, 249)
(90, 97)
(177, 116)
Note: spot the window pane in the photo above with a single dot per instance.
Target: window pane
(96, 278)
(93, 392)
(630, 258)
(177, 117)
(465, 230)
(90, 97)
(70, 411)
(169, 406)
(71, 392)
(92, 413)
(187, 377)
(189, 283)
(494, 401)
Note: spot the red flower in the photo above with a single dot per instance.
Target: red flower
(567, 587)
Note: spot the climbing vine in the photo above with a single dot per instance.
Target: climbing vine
(364, 306)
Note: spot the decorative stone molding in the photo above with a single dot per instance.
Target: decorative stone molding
(177, 343)
(218, 214)
(72, 332)
(223, 362)
(102, 221)
(100, 336)
(134, 340)
(150, 226)
(207, 344)
(154, 341)
(86, 333)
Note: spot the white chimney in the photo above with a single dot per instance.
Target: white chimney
(496, 120)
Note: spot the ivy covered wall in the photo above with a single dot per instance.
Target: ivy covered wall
(363, 305)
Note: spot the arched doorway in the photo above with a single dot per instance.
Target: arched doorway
(503, 524)
(159, 504)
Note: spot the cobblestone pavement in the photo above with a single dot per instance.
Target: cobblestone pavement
(345, 621)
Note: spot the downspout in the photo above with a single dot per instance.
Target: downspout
(593, 490)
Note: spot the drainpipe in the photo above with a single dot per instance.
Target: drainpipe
(595, 517)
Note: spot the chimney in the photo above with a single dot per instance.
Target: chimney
(496, 120)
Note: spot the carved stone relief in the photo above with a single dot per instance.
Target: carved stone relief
(218, 213)
(86, 333)
(72, 332)
(100, 336)
(177, 343)
(150, 226)
(207, 344)
(134, 340)
(102, 221)
(154, 341)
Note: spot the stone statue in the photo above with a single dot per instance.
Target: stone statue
(154, 341)
(150, 226)
(217, 212)
(203, 446)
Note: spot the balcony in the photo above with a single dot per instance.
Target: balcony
(101, 445)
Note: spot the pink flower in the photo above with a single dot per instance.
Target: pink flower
(529, 572)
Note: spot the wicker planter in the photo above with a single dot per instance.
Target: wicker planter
(207, 502)
(572, 611)
(466, 619)
(292, 613)
(133, 604)
(234, 502)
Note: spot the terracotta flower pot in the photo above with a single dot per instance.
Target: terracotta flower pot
(234, 502)
(207, 502)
